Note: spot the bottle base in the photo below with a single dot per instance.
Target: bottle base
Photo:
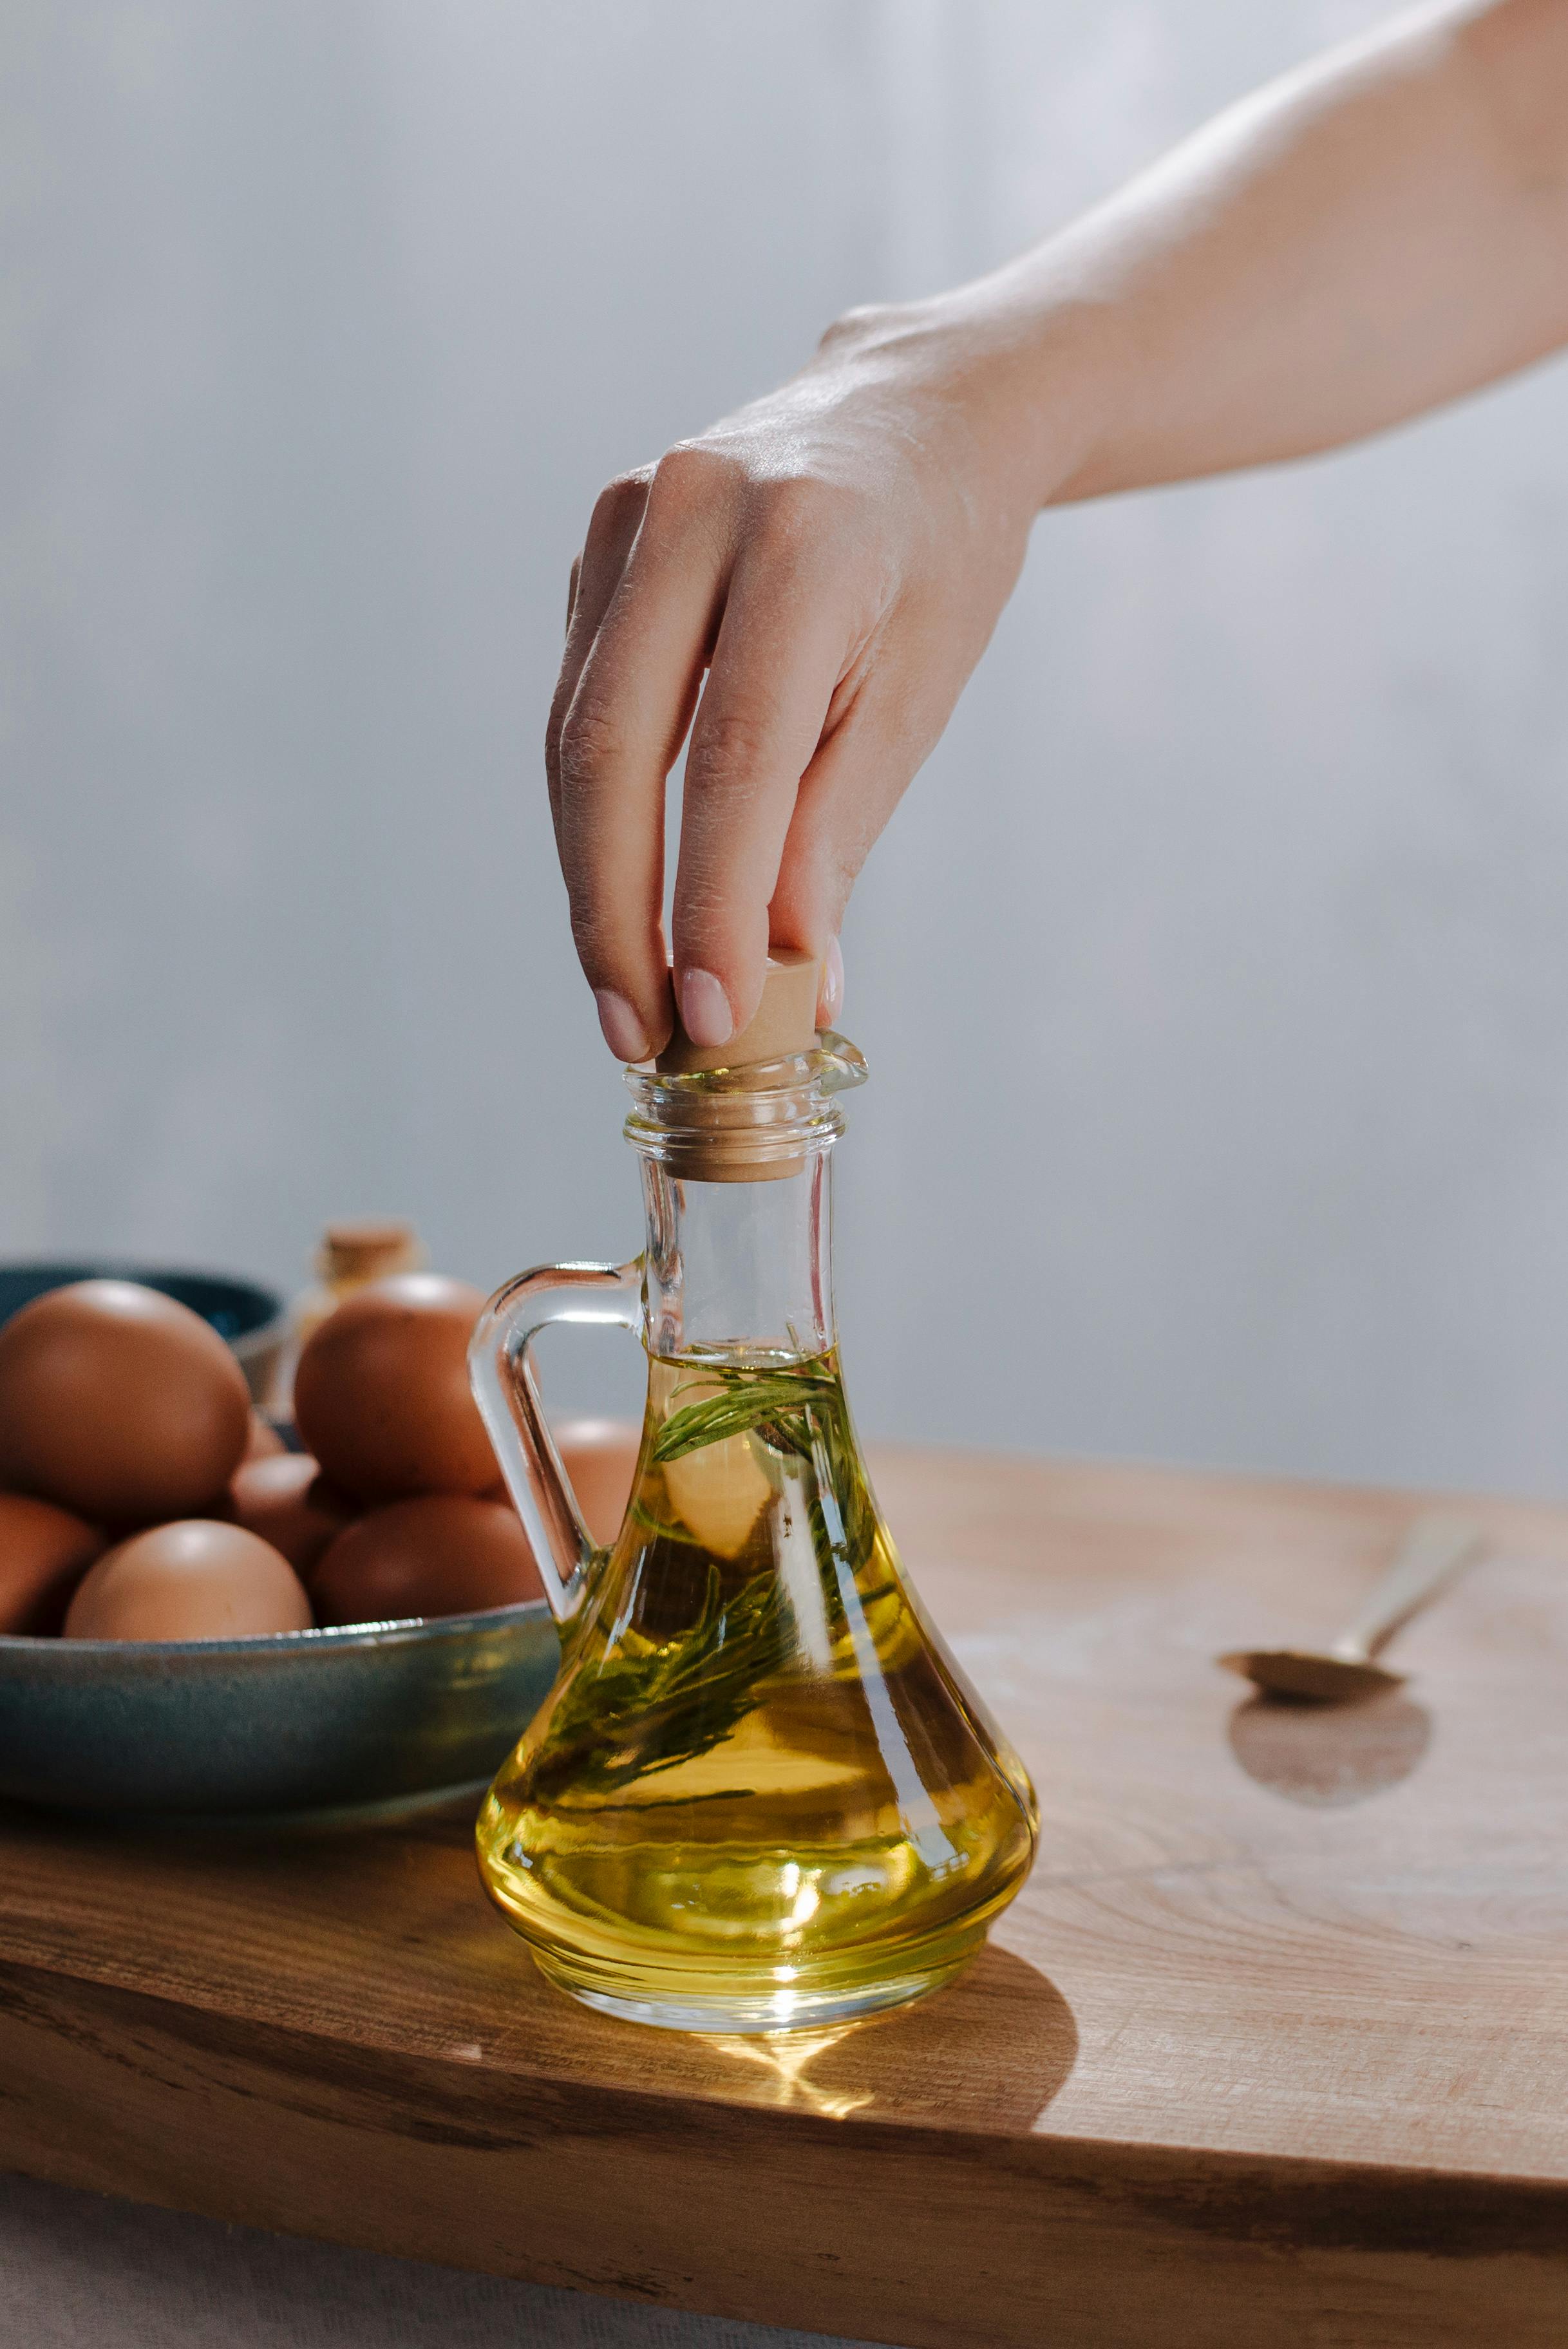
(779, 2008)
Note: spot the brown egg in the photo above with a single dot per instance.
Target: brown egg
(445, 1553)
(118, 1403)
(599, 1456)
(44, 1553)
(195, 1580)
(381, 1392)
(288, 1501)
(263, 1441)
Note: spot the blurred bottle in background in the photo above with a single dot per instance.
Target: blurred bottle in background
(350, 1255)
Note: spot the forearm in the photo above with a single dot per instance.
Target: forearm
(1369, 237)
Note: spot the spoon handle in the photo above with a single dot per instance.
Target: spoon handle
(1431, 1554)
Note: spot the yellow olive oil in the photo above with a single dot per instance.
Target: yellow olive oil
(759, 1795)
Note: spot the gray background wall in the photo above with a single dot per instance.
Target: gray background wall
(1215, 974)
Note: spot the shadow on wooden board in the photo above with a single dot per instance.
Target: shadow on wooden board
(1329, 1755)
(987, 2055)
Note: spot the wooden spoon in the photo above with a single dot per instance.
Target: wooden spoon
(1431, 1555)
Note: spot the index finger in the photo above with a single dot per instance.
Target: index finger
(618, 738)
(783, 646)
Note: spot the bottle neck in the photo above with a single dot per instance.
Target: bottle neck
(740, 1270)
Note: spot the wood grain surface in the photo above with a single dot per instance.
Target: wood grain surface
(1272, 2049)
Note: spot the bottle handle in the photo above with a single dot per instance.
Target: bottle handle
(501, 1372)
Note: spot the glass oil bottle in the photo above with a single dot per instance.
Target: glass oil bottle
(760, 1795)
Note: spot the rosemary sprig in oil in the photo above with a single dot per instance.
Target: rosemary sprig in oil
(653, 1703)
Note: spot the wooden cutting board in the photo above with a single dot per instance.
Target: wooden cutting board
(1273, 2048)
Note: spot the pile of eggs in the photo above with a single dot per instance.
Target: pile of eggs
(142, 1498)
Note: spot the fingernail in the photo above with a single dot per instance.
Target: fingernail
(705, 1013)
(623, 1030)
(832, 981)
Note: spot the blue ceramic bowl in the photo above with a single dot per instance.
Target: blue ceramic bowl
(370, 1713)
(291, 1721)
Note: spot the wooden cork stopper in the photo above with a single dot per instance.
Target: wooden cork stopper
(784, 1022)
(369, 1249)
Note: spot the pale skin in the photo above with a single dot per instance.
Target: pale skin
(1379, 233)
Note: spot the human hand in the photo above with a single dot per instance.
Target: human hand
(1373, 236)
(834, 556)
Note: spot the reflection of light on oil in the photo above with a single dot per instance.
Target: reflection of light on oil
(788, 2056)
(805, 1897)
